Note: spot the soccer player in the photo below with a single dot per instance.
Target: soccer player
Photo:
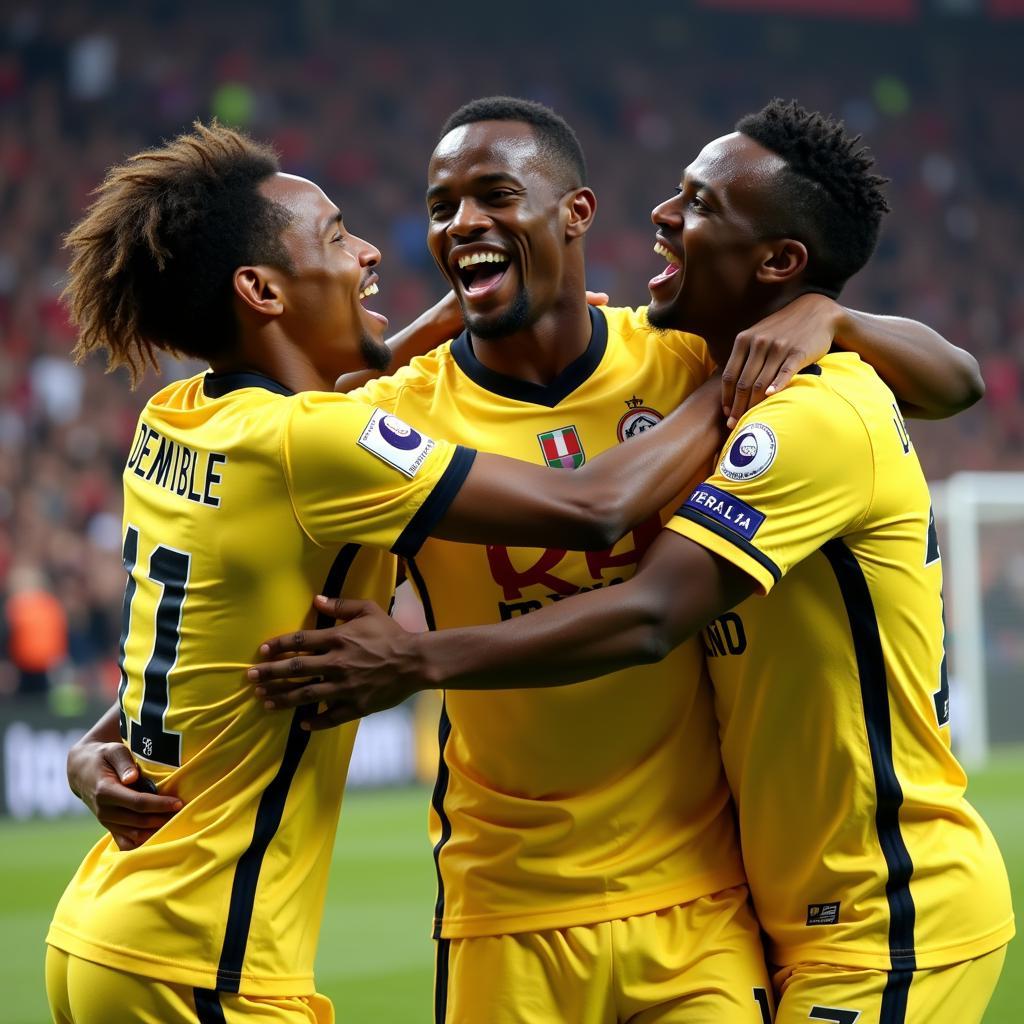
(247, 489)
(582, 833)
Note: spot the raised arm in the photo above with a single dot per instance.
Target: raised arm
(370, 663)
(505, 501)
(930, 377)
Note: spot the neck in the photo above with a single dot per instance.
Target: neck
(721, 336)
(273, 354)
(540, 352)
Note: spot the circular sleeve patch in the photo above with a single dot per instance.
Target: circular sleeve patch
(398, 434)
(750, 454)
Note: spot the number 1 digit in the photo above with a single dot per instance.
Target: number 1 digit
(148, 737)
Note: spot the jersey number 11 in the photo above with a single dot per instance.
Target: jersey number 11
(147, 737)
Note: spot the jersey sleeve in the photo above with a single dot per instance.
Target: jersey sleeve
(408, 387)
(383, 392)
(796, 471)
(357, 474)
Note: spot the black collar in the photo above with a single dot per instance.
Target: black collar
(548, 395)
(217, 385)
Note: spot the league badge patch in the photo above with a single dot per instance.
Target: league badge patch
(562, 448)
(395, 442)
(639, 419)
(750, 454)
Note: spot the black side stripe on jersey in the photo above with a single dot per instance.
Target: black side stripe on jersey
(894, 998)
(208, 1008)
(444, 730)
(247, 871)
(874, 689)
(546, 395)
(432, 511)
(269, 813)
(441, 981)
(685, 512)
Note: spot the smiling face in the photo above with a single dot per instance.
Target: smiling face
(332, 274)
(498, 222)
(709, 236)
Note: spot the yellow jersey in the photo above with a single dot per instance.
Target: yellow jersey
(242, 502)
(831, 691)
(581, 804)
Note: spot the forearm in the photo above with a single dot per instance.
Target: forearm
(678, 588)
(578, 638)
(504, 501)
(931, 378)
(632, 481)
(431, 328)
(107, 729)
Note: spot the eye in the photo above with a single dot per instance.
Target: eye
(698, 204)
(438, 211)
(500, 195)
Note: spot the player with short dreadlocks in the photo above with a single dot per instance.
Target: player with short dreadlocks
(809, 564)
(826, 195)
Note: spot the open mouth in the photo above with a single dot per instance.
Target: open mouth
(481, 272)
(369, 290)
(672, 261)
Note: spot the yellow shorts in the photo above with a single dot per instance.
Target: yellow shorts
(699, 963)
(957, 994)
(81, 992)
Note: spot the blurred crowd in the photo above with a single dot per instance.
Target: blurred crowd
(352, 95)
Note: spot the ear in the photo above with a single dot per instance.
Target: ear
(582, 205)
(259, 289)
(785, 261)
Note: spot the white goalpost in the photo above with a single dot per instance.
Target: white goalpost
(980, 517)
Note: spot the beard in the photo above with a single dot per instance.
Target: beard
(515, 317)
(662, 318)
(376, 355)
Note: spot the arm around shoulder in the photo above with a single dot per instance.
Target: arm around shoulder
(931, 377)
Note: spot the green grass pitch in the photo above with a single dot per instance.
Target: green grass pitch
(376, 959)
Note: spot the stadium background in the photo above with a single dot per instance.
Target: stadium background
(352, 95)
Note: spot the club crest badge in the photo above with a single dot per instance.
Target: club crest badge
(637, 420)
(562, 448)
(751, 452)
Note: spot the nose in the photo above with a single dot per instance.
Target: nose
(667, 214)
(469, 219)
(369, 254)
